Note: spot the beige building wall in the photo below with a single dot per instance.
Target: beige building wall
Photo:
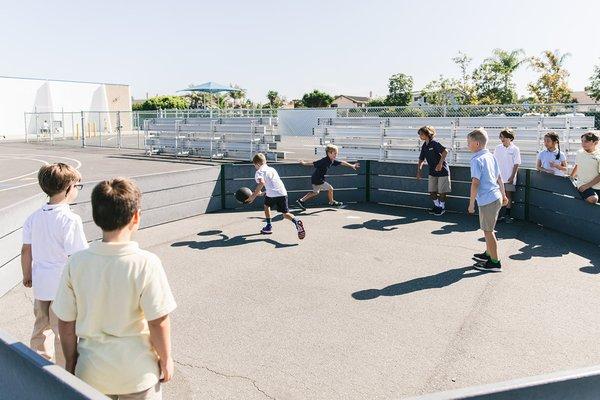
(119, 99)
(344, 102)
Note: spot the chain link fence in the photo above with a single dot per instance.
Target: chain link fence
(125, 129)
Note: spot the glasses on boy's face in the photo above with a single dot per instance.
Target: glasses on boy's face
(78, 186)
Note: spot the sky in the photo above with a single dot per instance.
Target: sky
(342, 47)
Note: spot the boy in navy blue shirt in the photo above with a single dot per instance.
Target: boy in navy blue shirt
(487, 188)
(318, 177)
(439, 184)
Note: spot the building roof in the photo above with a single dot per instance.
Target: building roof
(63, 80)
(356, 99)
(583, 98)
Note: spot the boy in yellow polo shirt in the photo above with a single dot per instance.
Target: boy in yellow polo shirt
(587, 168)
(116, 299)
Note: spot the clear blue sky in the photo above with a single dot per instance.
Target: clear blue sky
(348, 47)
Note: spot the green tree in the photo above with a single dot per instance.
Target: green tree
(316, 98)
(400, 88)
(443, 91)
(165, 103)
(238, 95)
(491, 86)
(379, 102)
(551, 86)
(594, 88)
(274, 100)
(466, 84)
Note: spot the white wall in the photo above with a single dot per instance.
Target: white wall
(18, 96)
(301, 121)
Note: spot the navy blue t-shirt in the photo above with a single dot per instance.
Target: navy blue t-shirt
(432, 152)
(321, 166)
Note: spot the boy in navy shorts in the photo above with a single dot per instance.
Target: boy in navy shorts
(275, 196)
(318, 177)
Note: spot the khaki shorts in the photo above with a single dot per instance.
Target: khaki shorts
(323, 186)
(509, 187)
(152, 393)
(488, 215)
(439, 184)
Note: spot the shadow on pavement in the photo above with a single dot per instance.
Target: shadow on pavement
(226, 241)
(436, 281)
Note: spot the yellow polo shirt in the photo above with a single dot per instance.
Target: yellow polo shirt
(112, 290)
(588, 167)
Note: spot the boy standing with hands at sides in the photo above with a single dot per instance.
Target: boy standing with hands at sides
(587, 168)
(276, 195)
(509, 159)
(318, 177)
(439, 184)
(114, 302)
(50, 236)
(488, 189)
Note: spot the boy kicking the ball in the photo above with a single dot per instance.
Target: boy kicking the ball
(275, 196)
(318, 177)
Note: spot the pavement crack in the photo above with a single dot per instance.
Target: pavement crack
(228, 376)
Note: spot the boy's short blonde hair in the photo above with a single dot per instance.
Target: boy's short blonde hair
(331, 147)
(55, 178)
(427, 130)
(259, 159)
(479, 135)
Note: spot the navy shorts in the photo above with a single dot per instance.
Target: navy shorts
(589, 192)
(279, 203)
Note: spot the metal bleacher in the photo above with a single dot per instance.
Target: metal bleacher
(236, 138)
(396, 138)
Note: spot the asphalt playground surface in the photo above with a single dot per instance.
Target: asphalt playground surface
(376, 302)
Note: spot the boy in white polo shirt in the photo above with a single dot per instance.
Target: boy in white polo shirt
(50, 236)
(509, 159)
(113, 303)
(276, 195)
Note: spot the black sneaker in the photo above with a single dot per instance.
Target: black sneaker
(509, 220)
(439, 211)
(488, 266)
(336, 204)
(482, 256)
(301, 204)
(267, 230)
(433, 210)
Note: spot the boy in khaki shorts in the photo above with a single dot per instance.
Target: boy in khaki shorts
(488, 189)
(50, 236)
(318, 176)
(439, 184)
(113, 304)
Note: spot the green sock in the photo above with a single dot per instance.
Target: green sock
(494, 261)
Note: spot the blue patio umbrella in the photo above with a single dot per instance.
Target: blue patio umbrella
(210, 87)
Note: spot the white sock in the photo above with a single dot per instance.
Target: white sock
(436, 202)
(442, 204)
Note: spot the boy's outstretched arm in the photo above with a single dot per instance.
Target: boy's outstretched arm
(160, 337)
(353, 166)
(257, 192)
(68, 342)
(26, 260)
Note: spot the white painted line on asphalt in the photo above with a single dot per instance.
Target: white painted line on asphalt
(25, 156)
(21, 158)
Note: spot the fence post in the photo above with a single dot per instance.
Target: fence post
(527, 192)
(26, 130)
(82, 130)
(119, 139)
(368, 181)
(223, 186)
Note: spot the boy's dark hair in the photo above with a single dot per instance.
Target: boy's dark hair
(508, 133)
(114, 202)
(55, 178)
(590, 136)
(427, 130)
(555, 138)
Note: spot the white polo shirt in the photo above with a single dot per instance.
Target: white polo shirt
(588, 167)
(507, 158)
(547, 156)
(273, 183)
(54, 232)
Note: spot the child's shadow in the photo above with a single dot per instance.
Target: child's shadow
(383, 224)
(226, 241)
(593, 269)
(436, 281)
(279, 217)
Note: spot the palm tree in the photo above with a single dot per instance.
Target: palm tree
(506, 63)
